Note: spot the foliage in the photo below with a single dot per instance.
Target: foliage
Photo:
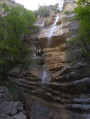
(42, 11)
(68, 12)
(15, 24)
(83, 2)
(45, 10)
(82, 14)
(14, 90)
(74, 52)
(3, 3)
(54, 7)
(11, 52)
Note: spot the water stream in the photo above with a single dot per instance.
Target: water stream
(45, 73)
(53, 27)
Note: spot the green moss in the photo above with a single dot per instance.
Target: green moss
(72, 63)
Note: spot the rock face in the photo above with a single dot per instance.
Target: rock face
(45, 21)
(66, 96)
(69, 4)
(55, 48)
(10, 109)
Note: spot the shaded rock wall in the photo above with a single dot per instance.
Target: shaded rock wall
(67, 95)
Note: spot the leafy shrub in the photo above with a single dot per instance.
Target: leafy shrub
(68, 12)
(45, 10)
(14, 90)
(82, 13)
(13, 26)
(80, 46)
(74, 52)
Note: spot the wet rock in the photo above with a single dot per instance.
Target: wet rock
(60, 34)
(19, 116)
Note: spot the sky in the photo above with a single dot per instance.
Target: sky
(33, 4)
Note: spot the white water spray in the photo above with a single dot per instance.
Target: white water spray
(44, 74)
(53, 27)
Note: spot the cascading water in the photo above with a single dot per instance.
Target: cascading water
(53, 27)
(45, 74)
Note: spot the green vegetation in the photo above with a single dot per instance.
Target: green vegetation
(72, 63)
(15, 23)
(14, 90)
(74, 51)
(54, 7)
(68, 12)
(81, 43)
(44, 10)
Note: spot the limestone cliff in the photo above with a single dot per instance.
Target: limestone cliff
(55, 52)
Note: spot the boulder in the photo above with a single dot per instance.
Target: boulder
(4, 116)
(19, 116)
(4, 94)
(10, 109)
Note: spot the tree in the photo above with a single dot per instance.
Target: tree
(83, 2)
(82, 13)
(43, 11)
(15, 23)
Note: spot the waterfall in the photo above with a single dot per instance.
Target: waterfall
(45, 73)
(53, 27)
